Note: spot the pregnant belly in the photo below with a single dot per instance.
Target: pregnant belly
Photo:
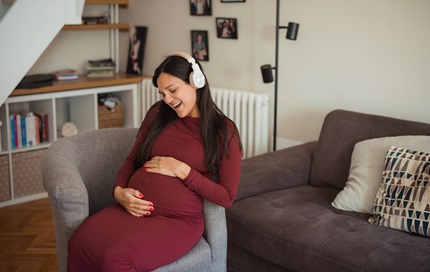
(168, 194)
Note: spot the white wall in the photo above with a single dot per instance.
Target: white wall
(369, 56)
(72, 49)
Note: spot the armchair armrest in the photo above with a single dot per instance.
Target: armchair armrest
(215, 234)
(276, 170)
(79, 173)
(67, 194)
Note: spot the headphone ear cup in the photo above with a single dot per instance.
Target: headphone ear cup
(191, 79)
(197, 78)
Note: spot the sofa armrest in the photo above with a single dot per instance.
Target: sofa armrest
(276, 170)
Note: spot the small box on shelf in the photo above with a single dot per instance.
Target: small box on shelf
(111, 118)
(27, 164)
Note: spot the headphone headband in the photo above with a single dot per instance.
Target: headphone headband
(197, 78)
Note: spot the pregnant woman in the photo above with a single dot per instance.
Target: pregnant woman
(182, 143)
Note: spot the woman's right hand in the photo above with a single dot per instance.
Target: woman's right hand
(132, 201)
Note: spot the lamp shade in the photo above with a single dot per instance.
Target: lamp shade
(266, 73)
(292, 31)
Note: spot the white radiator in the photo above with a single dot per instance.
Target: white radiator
(150, 95)
(249, 111)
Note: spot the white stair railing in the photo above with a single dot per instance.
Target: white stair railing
(26, 30)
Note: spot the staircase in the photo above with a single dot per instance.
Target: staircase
(26, 30)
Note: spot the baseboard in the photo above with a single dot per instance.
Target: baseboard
(23, 199)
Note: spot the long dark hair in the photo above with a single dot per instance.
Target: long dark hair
(216, 129)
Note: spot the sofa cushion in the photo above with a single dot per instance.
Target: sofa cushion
(403, 199)
(365, 174)
(297, 228)
(341, 130)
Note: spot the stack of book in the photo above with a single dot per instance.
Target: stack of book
(28, 129)
(65, 74)
(94, 20)
(101, 68)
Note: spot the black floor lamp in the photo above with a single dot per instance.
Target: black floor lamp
(266, 69)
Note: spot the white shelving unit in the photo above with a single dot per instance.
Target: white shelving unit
(20, 176)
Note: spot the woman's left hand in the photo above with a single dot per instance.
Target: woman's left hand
(167, 166)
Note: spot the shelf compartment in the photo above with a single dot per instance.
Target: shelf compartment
(126, 96)
(80, 110)
(4, 178)
(37, 107)
(27, 173)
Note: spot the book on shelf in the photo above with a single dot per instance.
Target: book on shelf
(65, 74)
(94, 20)
(12, 131)
(43, 126)
(101, 63)
(28, 129)
(103, 72)
(101, 68)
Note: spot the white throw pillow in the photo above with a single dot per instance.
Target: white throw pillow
(365, 173)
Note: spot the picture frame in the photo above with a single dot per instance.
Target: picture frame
(233, 1)
(200, 7)
(200, 45)
(226, 28)
(136, 50)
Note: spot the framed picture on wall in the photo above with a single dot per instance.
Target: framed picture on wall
(136, 51)
(200, 7)
(199, 45)
(233, 1)
(226, 28)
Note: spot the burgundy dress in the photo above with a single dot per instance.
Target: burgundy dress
(114, 240)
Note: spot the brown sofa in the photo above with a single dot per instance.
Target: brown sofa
(283, 220)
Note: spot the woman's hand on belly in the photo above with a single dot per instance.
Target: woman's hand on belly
(167, 166)
(132, 201)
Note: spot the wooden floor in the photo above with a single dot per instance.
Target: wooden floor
(27, 239)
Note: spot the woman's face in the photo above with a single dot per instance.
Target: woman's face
(179, 95)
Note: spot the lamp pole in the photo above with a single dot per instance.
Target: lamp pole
(266, 69)
(275, 117)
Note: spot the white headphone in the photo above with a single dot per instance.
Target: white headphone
(197, 78)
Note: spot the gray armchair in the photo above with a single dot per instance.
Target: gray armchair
(79, 173)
